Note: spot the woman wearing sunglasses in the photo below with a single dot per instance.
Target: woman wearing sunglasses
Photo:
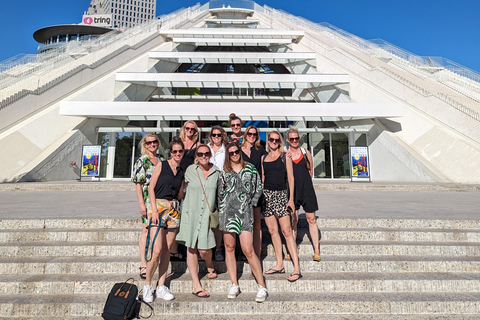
(253, 152)
(142, 173)
(278, 206)
(217, 140)
(164, 191)
(239, 189)
(200, 199)
(189, 137)
(236, 126)
(304, 191)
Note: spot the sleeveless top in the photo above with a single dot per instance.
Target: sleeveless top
(168, 184)
(188, 157)
(275, 175)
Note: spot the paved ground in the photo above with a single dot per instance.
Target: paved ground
(336, 200)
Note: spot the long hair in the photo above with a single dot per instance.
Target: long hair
(182, 131)
(203, 145)
(143, 146)
(227, 165)
(222, 132)
(245, 134)
(281, 146)
(175, 140)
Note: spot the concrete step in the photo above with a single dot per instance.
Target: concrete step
(330, 263)
(322, 303)
(311, 282)
(327, 234)
(107, 248)
(82, 224)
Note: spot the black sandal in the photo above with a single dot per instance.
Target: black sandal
(177, 256)
(143, 272)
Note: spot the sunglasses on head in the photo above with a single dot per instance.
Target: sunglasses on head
(232, 153)
(150, 142)
(176, 151)
(216, 135)
(274, 140)
(294, 138)
(203, 154)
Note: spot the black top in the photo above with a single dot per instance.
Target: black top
(188, 157)
(168, 184)
(275, 175)
(255, 157)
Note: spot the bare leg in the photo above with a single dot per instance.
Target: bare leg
(313, 229)
(207, 256)
(257, 231)
(246, 242)
(295, 224)
(141, 244)
(290, 241)
(230, 239)
(272, 225)
(160, 250)
(165, 257)
(173, 247)
(218, 240)
(192, 264)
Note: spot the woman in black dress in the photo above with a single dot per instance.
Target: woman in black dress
(304, 191)
(189, 137)
(253, 152)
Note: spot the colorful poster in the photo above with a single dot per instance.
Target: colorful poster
(360, 167)
(91, 161)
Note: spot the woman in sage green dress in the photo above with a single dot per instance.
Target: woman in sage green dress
(239, 188)
(195, 232)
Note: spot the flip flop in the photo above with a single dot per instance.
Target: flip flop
(273, 271)
(299, 275)
(212, 275)
(143, 272)
(206, 295)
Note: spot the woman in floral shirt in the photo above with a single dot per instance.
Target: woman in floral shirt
(142, 173)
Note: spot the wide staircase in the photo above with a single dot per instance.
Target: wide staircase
(370, 268)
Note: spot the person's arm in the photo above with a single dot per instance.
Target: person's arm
(291, 182)
(151, 192)
(181, 192)
(263, 169)
(310, 160)
(141, 201)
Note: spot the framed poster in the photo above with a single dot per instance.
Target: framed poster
(91, 161)
(359, 164)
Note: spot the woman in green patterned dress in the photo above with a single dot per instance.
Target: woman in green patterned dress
(239, 188)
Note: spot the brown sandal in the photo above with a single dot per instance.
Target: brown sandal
(143, 272)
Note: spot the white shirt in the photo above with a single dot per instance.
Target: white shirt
(218, 158)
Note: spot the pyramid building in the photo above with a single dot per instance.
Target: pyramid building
(417, 118)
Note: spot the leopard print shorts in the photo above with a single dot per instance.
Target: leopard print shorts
(275, 203)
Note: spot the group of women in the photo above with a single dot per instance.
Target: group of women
(225, 186)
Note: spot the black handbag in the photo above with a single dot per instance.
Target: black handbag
(121, 302)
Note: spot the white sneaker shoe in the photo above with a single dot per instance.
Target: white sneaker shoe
(234, 291)
(164, 293)
(147, 293)
(262, 294)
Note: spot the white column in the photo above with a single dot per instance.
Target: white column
(111, 156)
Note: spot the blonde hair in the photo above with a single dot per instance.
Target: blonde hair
(245, 134)
(292, 129)
(182, 131)
(222, 132)
(143, 142)
(281, 146)
(227, 165)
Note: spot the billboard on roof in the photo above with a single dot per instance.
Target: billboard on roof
(97, 20)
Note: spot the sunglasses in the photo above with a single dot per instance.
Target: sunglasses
(190, 129)
(150, 142)
(274, 140)
(203, 154)
(176, 151)
(216, 135)
(233, 125)
(294, 139)
(232, 153)
(252, 134)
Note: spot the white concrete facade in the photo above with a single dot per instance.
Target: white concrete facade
(337, 95)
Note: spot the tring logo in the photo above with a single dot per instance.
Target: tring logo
(88, 20)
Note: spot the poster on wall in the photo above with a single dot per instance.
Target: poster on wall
(91, 161)
(359, 167)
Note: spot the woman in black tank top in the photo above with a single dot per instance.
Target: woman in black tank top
(278, 181)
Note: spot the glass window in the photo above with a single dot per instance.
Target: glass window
(103, 138)
(321, 153)
(123, 155)
(340, 155)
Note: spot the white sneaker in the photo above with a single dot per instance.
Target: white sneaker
(262, 294)
(147, 293)
(234, 291)
(164, 293)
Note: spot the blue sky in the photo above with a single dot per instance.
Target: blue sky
(446, 28)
